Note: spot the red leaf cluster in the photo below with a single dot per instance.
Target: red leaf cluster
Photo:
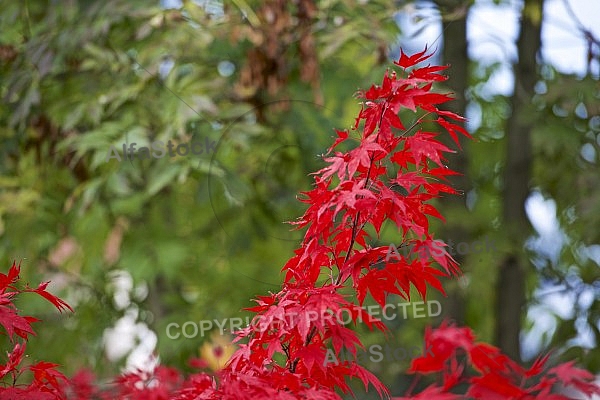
(356, 191)
(494, 376)
(47, 381)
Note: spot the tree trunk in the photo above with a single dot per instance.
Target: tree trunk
(510, 287)
(455, 54)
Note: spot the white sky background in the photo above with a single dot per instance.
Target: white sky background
(492, 31)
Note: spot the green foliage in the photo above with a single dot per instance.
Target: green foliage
(197, 234)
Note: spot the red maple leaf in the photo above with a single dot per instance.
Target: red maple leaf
(11, 321)
(9, 279)
(570, 375)
(408, 61)
(424, 146)
(57, 302)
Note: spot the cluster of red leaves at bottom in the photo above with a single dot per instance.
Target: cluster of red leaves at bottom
(494, 376)
(391, 174)
(455, 349)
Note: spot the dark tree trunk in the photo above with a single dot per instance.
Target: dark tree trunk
(455, 54)
(510, 287)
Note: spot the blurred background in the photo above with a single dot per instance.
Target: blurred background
(135, 245)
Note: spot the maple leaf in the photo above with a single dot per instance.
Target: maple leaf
(350, 194)
(378, 283)
(12, 321)
(390, 116)
(338, 166)
(368, 378)
(403, 158)
(408, 61)
(430, 98)
(537, 367)
(378, 92)
(409, 180)
(57, 302)
(452, 129)
(445, 341)
(342, 136)
(312, 356)
(569, 375)
(433, 109)
(14, 359)
(82, 384)
(344, 337)
(363, 156)
(423, 145)
(7, 280)
(44, 373)
(487, 358)
(494, 387)
(428, 73)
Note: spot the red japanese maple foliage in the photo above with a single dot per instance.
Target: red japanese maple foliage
(390, 171)
(47, 381)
